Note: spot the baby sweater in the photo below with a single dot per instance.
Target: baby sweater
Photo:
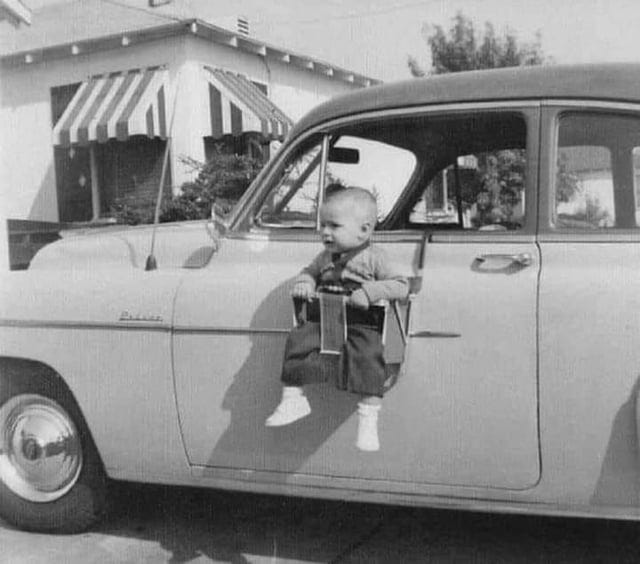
(367, 267)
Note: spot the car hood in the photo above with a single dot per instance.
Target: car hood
(177, 245)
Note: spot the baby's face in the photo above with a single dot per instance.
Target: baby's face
(342, 226)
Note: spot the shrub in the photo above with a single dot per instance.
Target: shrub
(221, 180)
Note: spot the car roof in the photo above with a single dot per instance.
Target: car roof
(617, 82)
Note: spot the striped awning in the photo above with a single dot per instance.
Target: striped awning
(237, 106)
(115, 106)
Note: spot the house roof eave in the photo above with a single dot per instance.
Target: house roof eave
(195, 27)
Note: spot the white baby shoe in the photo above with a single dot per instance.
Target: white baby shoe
(293, 406)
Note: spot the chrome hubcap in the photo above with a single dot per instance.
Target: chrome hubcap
(40, 451)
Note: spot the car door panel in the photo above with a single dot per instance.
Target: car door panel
(227, 359)
(473, 422)
(474, 351)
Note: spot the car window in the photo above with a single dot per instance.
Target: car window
(595, 178)
(464, 171)
(293, 200)
(476, 174)
(483, 191)
(353, 160)
(382, 169)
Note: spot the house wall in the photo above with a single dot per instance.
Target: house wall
(295, 90)
(28, 187)
(26, 167)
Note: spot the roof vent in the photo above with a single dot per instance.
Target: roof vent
(243, 25)
(156, 3)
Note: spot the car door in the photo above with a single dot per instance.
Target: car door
(589, 301)
(464, 409)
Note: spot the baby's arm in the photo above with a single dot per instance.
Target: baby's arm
(304, 285)
(304, 289)
(389, 284)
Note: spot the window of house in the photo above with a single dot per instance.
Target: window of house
(250, 143)
(125, 173)
(596, 170)
(130, 172)
(73, 183)
(72, 165)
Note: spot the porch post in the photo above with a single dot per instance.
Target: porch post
(95, 189)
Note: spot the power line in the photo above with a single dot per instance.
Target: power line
(144, 10)
(353, 15)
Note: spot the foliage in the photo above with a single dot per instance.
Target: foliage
(566, 181)
(221, 180)
(462, 48)
(501, 176)
(131, 211)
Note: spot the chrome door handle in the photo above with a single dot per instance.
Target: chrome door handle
(522, 259)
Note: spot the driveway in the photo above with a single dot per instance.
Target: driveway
(152, 524)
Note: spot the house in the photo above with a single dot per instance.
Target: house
(94, 94)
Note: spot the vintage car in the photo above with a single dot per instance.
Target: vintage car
(511, 200)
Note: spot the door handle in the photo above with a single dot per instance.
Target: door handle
(521, 259)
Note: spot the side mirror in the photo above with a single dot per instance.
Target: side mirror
(216, 226)
(218, 218)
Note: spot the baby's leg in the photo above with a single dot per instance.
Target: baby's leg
(368, 409)
(299, 368)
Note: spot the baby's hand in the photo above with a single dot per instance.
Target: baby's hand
(303, 290)
(359, 300)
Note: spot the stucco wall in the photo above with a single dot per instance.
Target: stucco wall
(27, 170)
(295, 90)
(28, 187)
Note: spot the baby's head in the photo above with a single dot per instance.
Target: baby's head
(347, 218)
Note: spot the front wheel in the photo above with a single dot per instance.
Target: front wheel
(51, 477)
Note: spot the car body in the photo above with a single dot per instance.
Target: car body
(510, 197)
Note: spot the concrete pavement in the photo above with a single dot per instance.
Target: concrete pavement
(151, 524)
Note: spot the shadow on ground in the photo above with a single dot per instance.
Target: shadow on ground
(197, 524)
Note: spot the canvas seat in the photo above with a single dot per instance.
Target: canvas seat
(391, 320)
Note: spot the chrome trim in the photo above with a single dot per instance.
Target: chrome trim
(228, 330)
(67, 324)
(40, 448)
(324, 159)
(493, 237)
(434, 335)
(522, 259)
(150, 326)
(586, 104)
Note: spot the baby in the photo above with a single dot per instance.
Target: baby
(348, 262)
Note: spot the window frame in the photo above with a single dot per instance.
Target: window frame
(552, 112)
(242, 224)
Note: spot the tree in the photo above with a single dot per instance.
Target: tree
(500, 175)
(463, 49)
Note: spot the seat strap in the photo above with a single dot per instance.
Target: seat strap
(333, 323)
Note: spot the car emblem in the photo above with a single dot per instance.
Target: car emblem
(127, 316)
